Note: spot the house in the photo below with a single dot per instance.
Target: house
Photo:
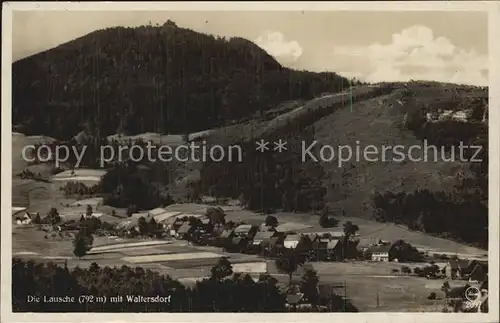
(93, 215)
(335, 250)
(262, 237)
(291, 241)
(183, 230)
(208, 200)
(458, 268)
(224, 238)
(128, 227)
(479, 272)
(275, 246)
(295, 299)
(166, 218)
(246, 230)
(336, 234)
(177, 224)
(311, 236)
(380, 252)
(26, 218)
(319, 249)
(205, 221)
(330, 234)
(157, 211)
(238, 244)
(365, 244)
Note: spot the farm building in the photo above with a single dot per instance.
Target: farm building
(291, 241)
(208, 200)
(156, 211)
(380, 252)
(291, 227)
(238, 244)
(474, 270)
(262, 237)
(205, 221)
(224, 237)
(250, 267)
(457, 268)
(138, 215)
(184, 230)
(480, 271)
(129, 228)
(275, 246)
(319, 249)
(93, 215)
(311, 236)
(293, 300)
(335, 251)
(163, 217)
(332, 234)
(365, 244)
(24, 219)
(246, 230)
(17, 209)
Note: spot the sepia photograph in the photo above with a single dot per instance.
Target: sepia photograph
(214, 159)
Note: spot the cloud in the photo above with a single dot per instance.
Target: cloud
(276, 45)
(415, 53)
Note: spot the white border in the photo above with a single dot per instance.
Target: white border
(494, 125)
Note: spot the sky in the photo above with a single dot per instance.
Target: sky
(371, 46)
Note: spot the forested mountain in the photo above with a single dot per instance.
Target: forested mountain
(173, 80)
(153, 79)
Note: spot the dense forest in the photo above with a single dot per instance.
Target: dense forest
(269, 180)
(223, 291)
(163, 79)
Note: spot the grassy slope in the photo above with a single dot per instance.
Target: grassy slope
(19, 141)
(376, 122)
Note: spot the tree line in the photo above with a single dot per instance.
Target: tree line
(223, 291)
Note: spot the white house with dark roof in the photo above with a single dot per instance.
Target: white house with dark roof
(291, 241)
(24, 219)
(380, 252)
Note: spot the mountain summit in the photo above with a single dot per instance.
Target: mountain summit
(153, 78)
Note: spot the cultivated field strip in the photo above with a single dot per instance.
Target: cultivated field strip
(143, 251)
(129, 245)
(171, 257)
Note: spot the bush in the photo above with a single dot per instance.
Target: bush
(271, 221)
(432, 296)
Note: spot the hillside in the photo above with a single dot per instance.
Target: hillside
(438, 196)
(163, 79)
(167, 84)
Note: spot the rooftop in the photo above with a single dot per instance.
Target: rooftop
(380, 249)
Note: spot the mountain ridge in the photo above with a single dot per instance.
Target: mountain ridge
(153, 79)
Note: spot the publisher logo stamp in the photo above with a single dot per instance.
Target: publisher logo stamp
(472, 294)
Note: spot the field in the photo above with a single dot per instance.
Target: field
(80, 175)
(364, 282)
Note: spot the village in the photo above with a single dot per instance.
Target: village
(191, 237)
